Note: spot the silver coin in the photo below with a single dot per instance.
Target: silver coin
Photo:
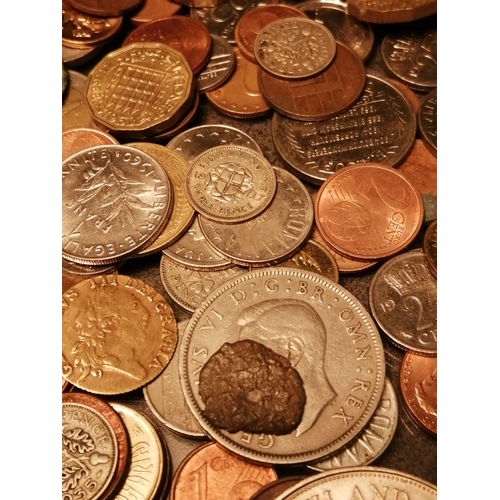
(427, 121)
(75, 57)
(325, 332)
(220, 66)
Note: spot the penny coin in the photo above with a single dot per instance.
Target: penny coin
(391, 11)
(75, 57)
(294, 48)
(326, 334)
(140, 90)
(411, 56)
(152, 10)
(418, 384)
(192, 250)
(430, 247)
(184, 34)
(361, 483)
(380, 127)
(224, 475)
(74, 109)
(271, 490)
(230, 184)
(320, 97)
(427, 121)
(403, 301)
(115, 200)
(220, 67)
(280, 230)
(373, 439)
(76, 140)
(80, 30)
(368, 211)
(194, 141)
(94, 437)
(182, 213)
(240, 96)
(118, 334)
(108, 8)
(356, 34)
(254, 20)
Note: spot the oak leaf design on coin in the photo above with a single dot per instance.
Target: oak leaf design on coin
(230, 181)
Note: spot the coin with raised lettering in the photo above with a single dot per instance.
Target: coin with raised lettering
(427, 121)
(75, 140)
(326, 334)
(271, 490)
(220, 66)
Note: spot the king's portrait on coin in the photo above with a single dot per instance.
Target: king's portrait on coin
(293, 329)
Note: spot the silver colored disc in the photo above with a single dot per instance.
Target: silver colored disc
(220, 66)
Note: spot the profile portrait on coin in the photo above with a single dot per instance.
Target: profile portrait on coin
(426, 393)
(293, 329)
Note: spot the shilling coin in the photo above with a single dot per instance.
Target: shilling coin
(368, 211)
(152, 10)
(403, 301)
(294, 48)
(75, 113)
(118, 334)
(77, 139)
(220, 66)
(115, 199)
(430, 247)
(104, 9)
(427, 121)
(280, 230)
(230, 184)
(328, 338)
(391, 11)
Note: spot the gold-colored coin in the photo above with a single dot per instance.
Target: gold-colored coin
(118, 334)
(74, 110)
(140, 90)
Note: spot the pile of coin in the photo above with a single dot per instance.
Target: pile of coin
(225, 271)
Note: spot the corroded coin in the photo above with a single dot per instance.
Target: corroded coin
(326, 334)
(380, 127)
(418, 384)
(152, 10)
(219, 68)
(391, 11)
(118, 334)
(108, 8)
(280, 230)
(368, 211)
(140, 90)
(115, 199)
(230, 184)
(427, 121)
(430, 247)
(75, 113)
(77, 139)
(403, 301)
(294, 48)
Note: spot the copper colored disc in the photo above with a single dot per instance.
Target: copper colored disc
(152, 10)
(77, 139)
(430, 247)
(252, 22)
(368, 211)
(107, 8)
(418, 384)
(272, 490)
(189, 36)
(421, 169)
(391, 11)
(321, 97)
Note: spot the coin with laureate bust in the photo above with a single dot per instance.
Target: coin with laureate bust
(118, 334)
(326, 334)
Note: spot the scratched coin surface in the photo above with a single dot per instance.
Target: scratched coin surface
(220, 66)
(118, 334)
(430, 247)
(368, 211)
(230, 184)
(403, 301)
(327, 335)
(277, 232)
(380, 127)
(294, 47)
(114, 200)
(77, 139)
(427, 121)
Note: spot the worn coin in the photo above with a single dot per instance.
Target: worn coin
(368, 211)
(108, 8)
(391, 11)
(220, 66)
(76, 140)
(152, 10)
(430, 247)
(118, 334)
(403, 301)
(280, 230)
(427, 121)
(74, 109)
(326, 334)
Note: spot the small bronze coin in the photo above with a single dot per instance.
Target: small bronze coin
(77, 139)
(427, 121)
(420, 167)
(418, 384)
(184, 34)
(320, 97)
(391, 11)
(368, 211)
(430, 247)
(152, 10)
(105, 9)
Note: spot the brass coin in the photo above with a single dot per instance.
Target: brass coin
(427, 121)
(77, 139)
(430, 247)
(152, 10)
(391, 11)
(74, 109)
(108, 8)
(118, 334)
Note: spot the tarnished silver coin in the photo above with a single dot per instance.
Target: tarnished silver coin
(427, 121)
(115, 199)
(220, 66)
(379, 128)
(273, 235)
(373, 440)
(326, 334)
(403, 301)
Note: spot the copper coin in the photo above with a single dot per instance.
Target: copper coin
(189, 36)
(420, 167)
(418, 384)
(430, 247)
(271, 490)
(427, 121)
(368, 211)
(391, 11)
(320, 97)
(152, 10)
(71, 401)
(254, 20)
(77, 139)
(108, 8)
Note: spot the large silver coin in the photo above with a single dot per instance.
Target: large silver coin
(326, 334)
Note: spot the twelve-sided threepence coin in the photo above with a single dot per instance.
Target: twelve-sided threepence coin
(115, 199)
(329, 338)
(230, 184)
